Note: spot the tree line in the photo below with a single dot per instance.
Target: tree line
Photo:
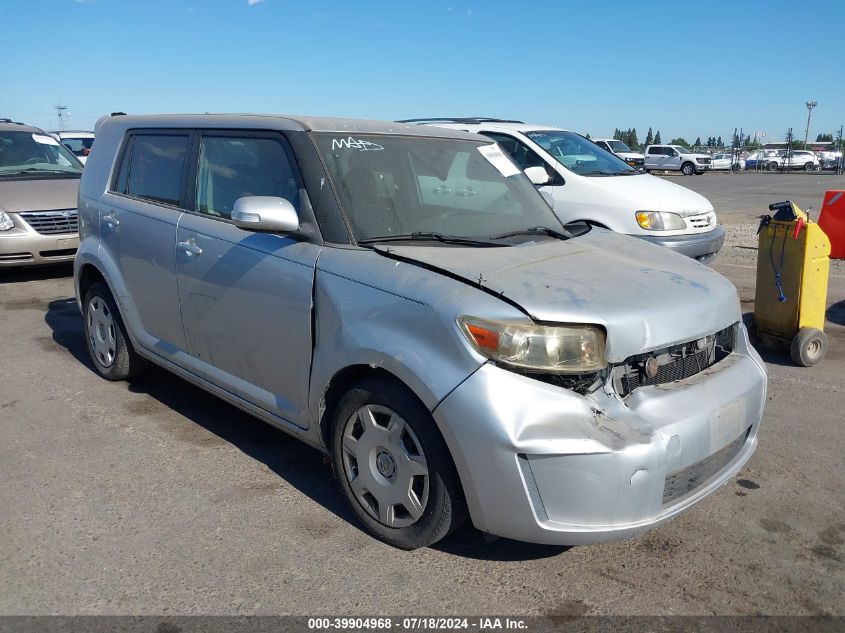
(630, 138)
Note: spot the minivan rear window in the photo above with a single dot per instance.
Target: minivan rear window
(155, 168)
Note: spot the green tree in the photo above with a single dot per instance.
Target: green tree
(697, 141)
(657, 140)
(680, 141)
(821, 138)
(649, 138)
(588, 136)
(719, 142)
(634, 142)
(617, 134)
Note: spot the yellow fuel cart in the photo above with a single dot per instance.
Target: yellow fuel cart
(793, 261)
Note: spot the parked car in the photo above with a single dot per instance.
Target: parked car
(675, 158)
(624, 152)
(798, 159)
(727, 162)
(403, 299)
(39, 183)
(79, 142)
(586, 183)
(829, 160)
(763, 159)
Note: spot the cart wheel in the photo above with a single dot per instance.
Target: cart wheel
(808, 347)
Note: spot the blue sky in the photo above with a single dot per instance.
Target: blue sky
(686, 68)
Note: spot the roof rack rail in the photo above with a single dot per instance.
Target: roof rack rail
(5, 120)
(468, 120)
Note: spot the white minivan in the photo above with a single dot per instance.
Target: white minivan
(584, 182)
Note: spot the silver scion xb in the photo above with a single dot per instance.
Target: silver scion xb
(402, 298)
(39, 185)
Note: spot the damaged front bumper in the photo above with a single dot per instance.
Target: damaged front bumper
(543, 464)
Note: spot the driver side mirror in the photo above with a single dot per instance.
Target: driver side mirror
(265, 213)
(538, 176)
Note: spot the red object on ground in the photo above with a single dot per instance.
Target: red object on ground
(832, 222)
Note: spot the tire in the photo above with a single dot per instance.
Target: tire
(108, 345)
(808, 347)
(688, 169)
(809, 167)
(408, 494)
(772, 166)
(736, 167)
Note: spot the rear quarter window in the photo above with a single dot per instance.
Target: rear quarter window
(152, 167)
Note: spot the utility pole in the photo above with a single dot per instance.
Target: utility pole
(61, 113)
(810, 106)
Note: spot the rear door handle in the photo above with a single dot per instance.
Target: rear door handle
(190, 247)
(111, 220)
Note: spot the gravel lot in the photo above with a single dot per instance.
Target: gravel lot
(154, 497)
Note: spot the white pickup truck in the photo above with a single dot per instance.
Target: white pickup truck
(622, 151)
(675, 158)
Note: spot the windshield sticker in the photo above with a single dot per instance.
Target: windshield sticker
(44, 139)
(352, 143)
(499, 160)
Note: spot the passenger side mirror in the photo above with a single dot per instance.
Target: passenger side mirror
(265, 213)
(538, 176)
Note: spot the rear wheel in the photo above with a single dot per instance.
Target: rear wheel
(809, 167)
(105, 336)
(394, 467)
(773, 166)
(736, 167)
(688, 169)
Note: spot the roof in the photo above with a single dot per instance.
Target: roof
(70, 133)
(281, 122)
(19, 127)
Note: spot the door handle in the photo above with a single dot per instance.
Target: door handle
(111, 220)
(190, 247)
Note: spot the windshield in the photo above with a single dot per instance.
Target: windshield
(579, 155)
(398, 185)
(80, 146)
(34, 153)
(618, 146)
(681, 150)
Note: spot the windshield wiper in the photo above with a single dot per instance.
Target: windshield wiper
(535, 230)
(35, 170)
(428, 237)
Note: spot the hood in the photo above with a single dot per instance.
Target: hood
(46, 194)
(644, 192)
(645, 296)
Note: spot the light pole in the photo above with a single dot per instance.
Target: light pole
(810, 106)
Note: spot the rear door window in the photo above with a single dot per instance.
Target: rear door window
(156, 166)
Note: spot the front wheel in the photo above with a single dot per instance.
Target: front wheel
(736, 167)
(688, 169)
(809, 167)
(394, 467)
(105, 336)
(772, 166)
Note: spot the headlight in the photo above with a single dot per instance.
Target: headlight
(660, 221)
(562, 349)
(6, 221)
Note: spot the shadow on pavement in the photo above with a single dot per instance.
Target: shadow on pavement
(836, 313)
(300, 465)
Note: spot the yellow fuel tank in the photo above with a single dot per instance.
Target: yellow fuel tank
(791, 293)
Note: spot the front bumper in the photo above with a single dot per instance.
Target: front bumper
(700, 246)
(543, 464)
(24, 246)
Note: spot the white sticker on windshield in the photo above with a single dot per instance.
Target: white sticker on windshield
(499, 160)
(44, 139)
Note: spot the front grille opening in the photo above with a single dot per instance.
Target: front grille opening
(61, 252)
(52, 222)
(673, 363)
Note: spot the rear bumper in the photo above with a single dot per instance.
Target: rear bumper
(542, 464)
(700, 246)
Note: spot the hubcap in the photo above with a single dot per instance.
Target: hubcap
(100, 326)
(814, 347)
(385, 466)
